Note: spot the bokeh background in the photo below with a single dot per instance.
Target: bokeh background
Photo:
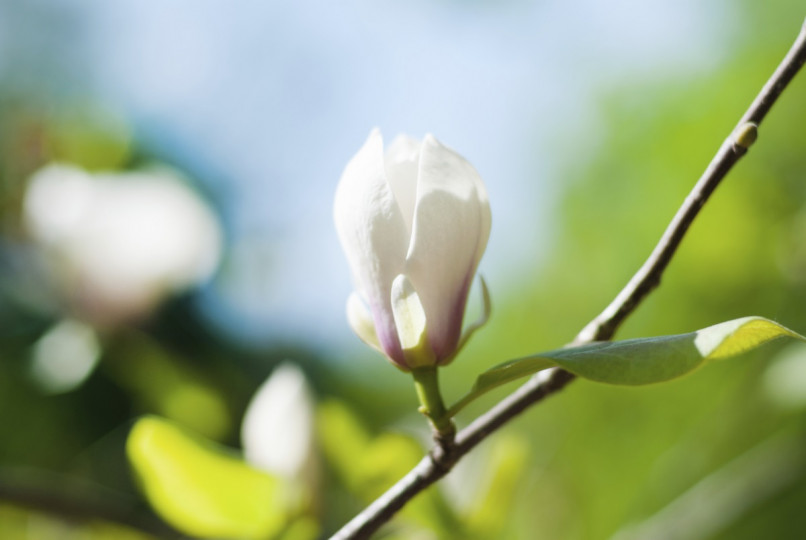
(589, 122)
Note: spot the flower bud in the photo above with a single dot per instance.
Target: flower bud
(413, 222)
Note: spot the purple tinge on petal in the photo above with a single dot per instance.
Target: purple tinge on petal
(387, 335)
(374, 236)
(444, 344)
(451, 226)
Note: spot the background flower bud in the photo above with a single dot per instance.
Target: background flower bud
(277, 430)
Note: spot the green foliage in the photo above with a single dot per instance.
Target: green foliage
(19, 523)
(368, 466)
(202, 489)
(639, 361)
(500, 485)
(168, 386)
(605, 456)
(90, 138)
(587, 463)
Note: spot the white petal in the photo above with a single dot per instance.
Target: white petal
(361, 322)
(451, 227)
(402, 160)
(277, 430)
(411, 323)
(485, 218)
(57, 198)
(373, 235)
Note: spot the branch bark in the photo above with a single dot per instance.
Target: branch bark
(440, 460)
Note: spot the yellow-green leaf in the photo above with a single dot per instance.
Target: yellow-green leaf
(200, 488)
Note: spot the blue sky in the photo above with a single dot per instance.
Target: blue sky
(275, 97)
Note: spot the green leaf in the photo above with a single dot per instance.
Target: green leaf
(343, 440)
(369, 466)
(496, 488)
(200, 488)
(638, 361)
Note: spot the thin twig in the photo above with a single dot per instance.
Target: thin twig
(438, 463)
(604, 326)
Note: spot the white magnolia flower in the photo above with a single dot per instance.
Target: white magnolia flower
(119, 243)
(414, 222)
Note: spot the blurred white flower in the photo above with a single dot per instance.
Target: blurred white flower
(278, 427)
(414, 222)
(119, 243)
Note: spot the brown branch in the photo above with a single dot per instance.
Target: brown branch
(441, 460)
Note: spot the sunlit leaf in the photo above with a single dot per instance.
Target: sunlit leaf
(368, 467)
(304, 528)
(201, 489)
(343, 439)
(496, 490)
(639, 361)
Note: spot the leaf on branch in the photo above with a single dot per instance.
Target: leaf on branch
(639, 361)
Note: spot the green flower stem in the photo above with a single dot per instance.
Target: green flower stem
(427, 385)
